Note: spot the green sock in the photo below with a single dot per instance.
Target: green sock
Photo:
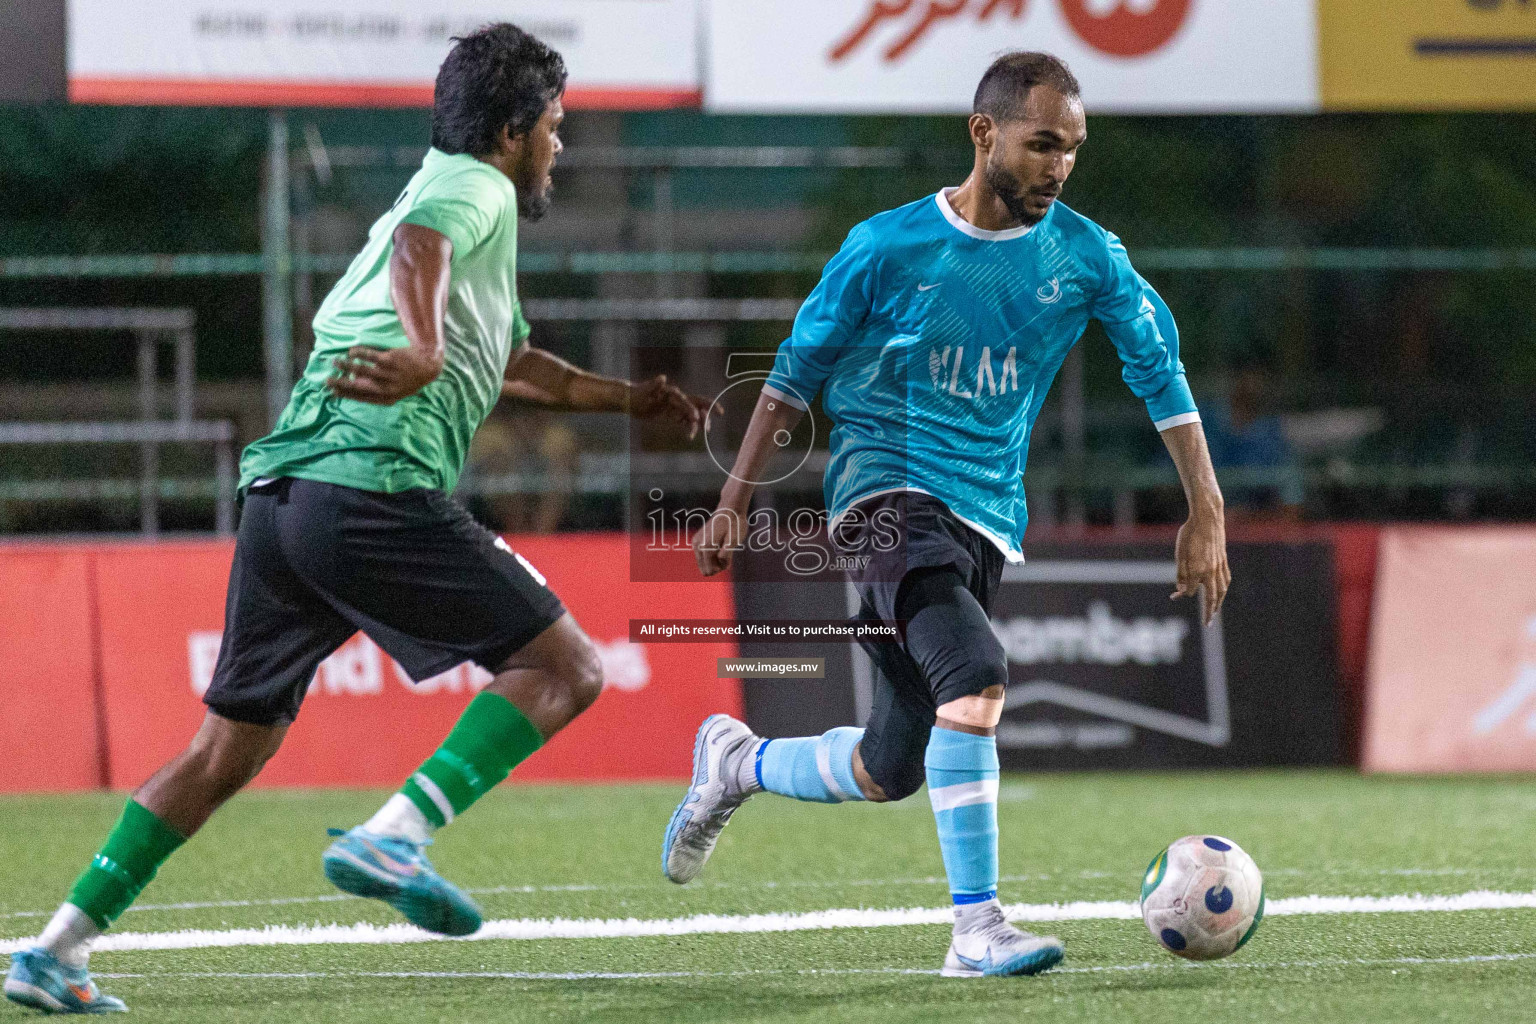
(491, 738)
(136, 847)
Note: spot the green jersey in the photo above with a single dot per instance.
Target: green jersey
(420, 441)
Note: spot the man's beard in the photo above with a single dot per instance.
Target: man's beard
(1009, 189)
(534, 205)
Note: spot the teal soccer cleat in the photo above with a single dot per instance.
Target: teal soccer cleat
(396, 871)
(991, 947)
(37, 980)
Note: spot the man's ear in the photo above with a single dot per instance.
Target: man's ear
(509, 145)
(983, 132)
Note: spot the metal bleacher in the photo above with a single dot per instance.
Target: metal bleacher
(150, 328)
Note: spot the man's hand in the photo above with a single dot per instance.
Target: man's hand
(655, 399)
(718, 540)
(1201, 554)
(725, 533)
(383, 376)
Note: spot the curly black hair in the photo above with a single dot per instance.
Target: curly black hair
(498, 75)
(1004, 89)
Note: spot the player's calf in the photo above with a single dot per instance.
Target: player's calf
(224, 756)
(554, 678)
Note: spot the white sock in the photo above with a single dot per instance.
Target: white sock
(400, 817)
(68, 936)
(745, 769)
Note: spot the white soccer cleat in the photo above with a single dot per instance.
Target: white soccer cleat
(723, 778)
(992, 947)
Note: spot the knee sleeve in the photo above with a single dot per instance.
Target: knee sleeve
(950, 637)
(900, 780)
(896, 737)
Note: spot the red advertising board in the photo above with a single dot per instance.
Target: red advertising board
(364, 723)
(1452, 681)
(48, 718)
(150, 597)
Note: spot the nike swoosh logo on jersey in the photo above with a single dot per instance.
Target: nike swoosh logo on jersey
(928, 287)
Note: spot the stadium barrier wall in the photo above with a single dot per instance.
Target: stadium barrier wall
(1452, 680)
(1107, 672)
(55, 661)
(50, 725)
(108, 647)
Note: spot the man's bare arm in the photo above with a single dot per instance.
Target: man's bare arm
(1202, 546)
(543, 378)
(418, 286)
(716, 541)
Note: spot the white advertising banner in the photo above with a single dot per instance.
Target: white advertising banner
(926, 56)
(621, 53)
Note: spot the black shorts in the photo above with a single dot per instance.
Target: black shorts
(927, 535)
(316, 562)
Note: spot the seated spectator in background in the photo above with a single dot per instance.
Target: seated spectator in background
(1244, 435)
(521, 471)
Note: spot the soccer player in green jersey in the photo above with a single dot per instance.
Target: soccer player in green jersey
(347, 524)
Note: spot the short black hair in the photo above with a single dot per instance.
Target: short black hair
(1004, 89)
(498, 75)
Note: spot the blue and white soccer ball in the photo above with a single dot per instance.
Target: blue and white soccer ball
(1202, 898)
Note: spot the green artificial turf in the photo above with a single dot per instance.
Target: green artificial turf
(590, 851)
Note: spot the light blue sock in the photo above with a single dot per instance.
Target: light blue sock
(962, 786)
(818, 768)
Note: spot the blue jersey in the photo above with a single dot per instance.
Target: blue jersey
(933, 344)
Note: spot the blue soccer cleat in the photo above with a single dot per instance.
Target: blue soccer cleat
(38, 980)
(396, 871)
(991, 947)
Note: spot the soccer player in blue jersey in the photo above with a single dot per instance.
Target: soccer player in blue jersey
(933, 338)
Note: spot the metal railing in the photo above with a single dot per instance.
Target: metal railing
(1052, 489)
(150, 328)
(301, 161)
(762, 261)
(684, 310)
(150, 489)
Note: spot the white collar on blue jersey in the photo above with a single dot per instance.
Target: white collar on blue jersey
(964, 226)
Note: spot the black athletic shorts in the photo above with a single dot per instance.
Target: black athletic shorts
(926, 535)
(316, 562)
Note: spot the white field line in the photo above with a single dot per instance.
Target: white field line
(725, 924)
(1168, 965)
(827, 883)
(331, 897)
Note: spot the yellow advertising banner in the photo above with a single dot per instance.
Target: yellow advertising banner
(1427, 54)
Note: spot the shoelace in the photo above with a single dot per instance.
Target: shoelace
(998, 932)
(695, 833)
